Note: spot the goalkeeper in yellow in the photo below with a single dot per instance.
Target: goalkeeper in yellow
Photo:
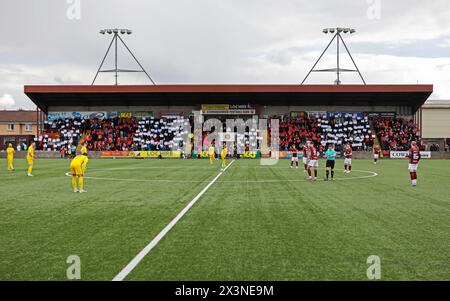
(10, 157)
(30, 159)
(223, 156)
(77, 169)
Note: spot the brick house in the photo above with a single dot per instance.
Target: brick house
(17, 127)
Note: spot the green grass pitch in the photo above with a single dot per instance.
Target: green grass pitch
(254, 223)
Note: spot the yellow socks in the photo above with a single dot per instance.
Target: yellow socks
(74, 182)
(80, 183)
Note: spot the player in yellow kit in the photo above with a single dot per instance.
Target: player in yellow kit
(211, 152)
(84, 148)
(77, 169)
(10, 157)
(223, 156)
(30, 159)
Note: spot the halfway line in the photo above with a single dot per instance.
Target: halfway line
(135, 261)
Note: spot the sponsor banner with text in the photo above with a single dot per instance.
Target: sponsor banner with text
(206, 107)
(119, 154)
(157, 154)
(147, 154)
(229, 112)
(81, 115)
(140, 154)
(403, 154)
(98, 115)
(250, 155)
(245, 155)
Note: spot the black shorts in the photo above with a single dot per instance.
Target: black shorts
(330, 163)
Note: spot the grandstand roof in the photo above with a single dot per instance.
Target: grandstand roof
(177, 95)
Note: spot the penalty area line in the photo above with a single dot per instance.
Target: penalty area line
(137, 259)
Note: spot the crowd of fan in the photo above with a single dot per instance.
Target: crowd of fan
(127, 134)
(116, 134)
(396, 133)
(296, 131)
(248, 137)
(111, 134)
(160, 134)
(334, 128)
(342, 128)
(61, 134)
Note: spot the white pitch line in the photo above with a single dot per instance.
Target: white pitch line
(371, 175)
(135, 261)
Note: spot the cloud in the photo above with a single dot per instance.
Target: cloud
(215, 41)
(7, 101)
(280, 57)
(445, 43)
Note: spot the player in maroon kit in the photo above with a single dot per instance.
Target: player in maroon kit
(294, 157)
(376, 154)
(348, 153)
(313, 162)
(305, 158)
(414, 158)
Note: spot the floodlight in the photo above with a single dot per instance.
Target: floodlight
(116, 38)
(338, 33)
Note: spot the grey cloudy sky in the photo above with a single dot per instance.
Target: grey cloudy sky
(221, 41)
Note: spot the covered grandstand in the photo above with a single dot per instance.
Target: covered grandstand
(134, 114)
(399, 99)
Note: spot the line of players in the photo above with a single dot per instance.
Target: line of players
(77, 165)
(310, 161)
(10, 152)
(310, 158)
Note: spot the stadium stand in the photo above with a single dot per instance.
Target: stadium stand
(323, 129)
(111, 134)
(61, 133)
(342, 128)
(124, 134)
(296, 131)
(396, 133)
(115, 134)
(160, 134)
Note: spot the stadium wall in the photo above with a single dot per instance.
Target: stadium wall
(436, 120)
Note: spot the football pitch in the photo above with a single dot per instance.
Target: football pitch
(253, 222)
